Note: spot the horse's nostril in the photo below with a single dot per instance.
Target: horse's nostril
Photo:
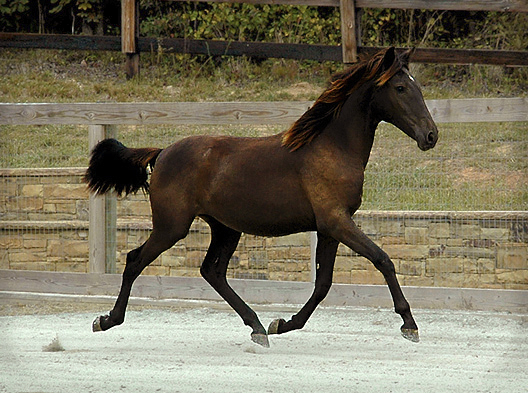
(431, 137)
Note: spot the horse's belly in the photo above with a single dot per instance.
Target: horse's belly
(275, 228)
(264, 219)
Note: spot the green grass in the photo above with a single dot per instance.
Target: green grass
(474, 166)
(82, 76)
(43, 146)
(65, 76)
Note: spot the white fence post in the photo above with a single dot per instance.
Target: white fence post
(102, 229)
(313, 261)
(97, 228)
(110, 218)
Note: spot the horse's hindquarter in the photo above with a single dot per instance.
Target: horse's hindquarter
(249, 184)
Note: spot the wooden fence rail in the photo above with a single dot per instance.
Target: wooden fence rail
(86, 287)
(255, 49)
(443, 111)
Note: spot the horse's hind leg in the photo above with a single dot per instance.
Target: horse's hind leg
(137, 261)
(325, 258)
(214, 268)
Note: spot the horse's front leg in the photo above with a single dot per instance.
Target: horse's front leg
(325, 258)
(348, 233)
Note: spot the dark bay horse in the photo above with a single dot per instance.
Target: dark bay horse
(308, 178)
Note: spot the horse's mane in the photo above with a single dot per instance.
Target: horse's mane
(329, 104)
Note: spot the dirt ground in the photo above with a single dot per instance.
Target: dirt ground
(204, 347)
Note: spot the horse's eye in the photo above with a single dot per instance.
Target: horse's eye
(400, 89)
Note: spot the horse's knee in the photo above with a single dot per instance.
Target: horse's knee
(384, 264)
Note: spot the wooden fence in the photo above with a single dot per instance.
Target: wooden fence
(101, 116)
(132, 44)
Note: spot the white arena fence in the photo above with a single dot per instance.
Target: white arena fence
(453, 216)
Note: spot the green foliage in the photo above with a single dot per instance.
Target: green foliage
(445, 29)
(88, 10)
(57, 16)
(244, 22)
(10, 7)
(11, 12)
(321, 25)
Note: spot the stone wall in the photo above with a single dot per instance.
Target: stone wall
(44, 226)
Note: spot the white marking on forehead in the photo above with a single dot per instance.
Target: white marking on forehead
(409, 75)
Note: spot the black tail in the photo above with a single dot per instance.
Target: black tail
(115, 166)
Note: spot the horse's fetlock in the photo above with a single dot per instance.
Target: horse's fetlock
(298, 322)
(116, 320)
(402, 309)
(321, 291)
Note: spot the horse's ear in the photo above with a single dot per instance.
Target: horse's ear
(388, 58)
(405, 56)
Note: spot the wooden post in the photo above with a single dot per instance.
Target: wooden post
(97, 227)
(110, 219)
(102, 227)
(349, 38)
(130, 35)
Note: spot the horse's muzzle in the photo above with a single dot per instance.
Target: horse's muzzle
(429, 141)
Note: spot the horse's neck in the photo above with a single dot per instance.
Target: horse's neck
(353, 130)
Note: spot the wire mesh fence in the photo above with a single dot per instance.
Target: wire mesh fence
(423, 208)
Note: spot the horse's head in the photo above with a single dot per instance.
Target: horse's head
(399, 101)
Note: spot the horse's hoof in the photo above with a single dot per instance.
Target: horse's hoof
(275, 325)
(410, 334)
(96, 325)
(260, 339)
